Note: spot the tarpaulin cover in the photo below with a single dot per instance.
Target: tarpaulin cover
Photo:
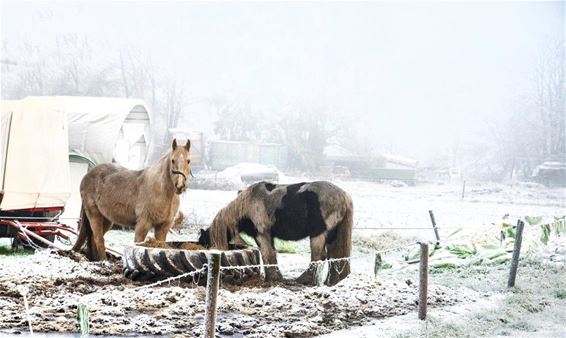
(35, 162)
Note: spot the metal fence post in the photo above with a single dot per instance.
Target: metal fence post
(212, 283)
(516, 252)
(423, 281)
(435, 228)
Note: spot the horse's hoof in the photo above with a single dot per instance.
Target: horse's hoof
(306, 279)
(273, 276)
(273, 279)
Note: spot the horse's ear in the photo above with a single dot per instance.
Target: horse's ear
(174, 143)
(188, 145)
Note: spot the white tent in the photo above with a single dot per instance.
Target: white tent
(35, 163)
(106, 129)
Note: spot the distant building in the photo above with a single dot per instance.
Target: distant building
(224, 154)
(377, 167)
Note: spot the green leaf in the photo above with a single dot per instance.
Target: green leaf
(284, 246)
(511, 232)
(533, 220)
(248, 239)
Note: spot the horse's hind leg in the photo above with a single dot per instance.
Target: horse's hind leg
(107, 225)
(97, 249)
(318, 254)
(340, 249)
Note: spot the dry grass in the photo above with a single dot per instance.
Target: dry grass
(152, 243)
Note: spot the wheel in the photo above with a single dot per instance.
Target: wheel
(142, 263)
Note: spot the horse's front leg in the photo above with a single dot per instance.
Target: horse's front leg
(142, 228)
(269, 256)
(318, 254)
(161, 231)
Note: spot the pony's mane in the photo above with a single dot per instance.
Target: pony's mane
(159, 169)
(227, 220)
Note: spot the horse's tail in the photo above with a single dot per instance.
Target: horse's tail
(341, 247)
(85, 234)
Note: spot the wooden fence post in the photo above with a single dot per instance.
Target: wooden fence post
(212, 283)
(435, 228)
(423, 281)
(516, 252)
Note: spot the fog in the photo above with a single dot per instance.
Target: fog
(439, 82)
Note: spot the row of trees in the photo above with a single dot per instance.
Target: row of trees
(70, 65)
(305, 128)
(535, 132)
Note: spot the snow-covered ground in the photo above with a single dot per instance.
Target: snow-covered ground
(384, 206)
(57, 282)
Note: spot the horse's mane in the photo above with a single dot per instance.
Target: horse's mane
(227, 220)
(161, 167)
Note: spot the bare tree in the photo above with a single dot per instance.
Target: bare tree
(307, 130)
(237, 119)
(175, 102)
(550, 100)
(535, 132)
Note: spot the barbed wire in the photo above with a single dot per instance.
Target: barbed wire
(406, 228)
(204, 268)
(98, 297)
(170, 279)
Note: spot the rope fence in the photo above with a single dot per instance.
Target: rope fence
(318, 265)
(28, 312)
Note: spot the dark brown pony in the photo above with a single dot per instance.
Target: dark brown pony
(318, 210)
(143, 199)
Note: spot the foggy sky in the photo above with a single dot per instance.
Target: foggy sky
(418, 76)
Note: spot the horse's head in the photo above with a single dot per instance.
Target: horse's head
(204, 238)
(180, 166)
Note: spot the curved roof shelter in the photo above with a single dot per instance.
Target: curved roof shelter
(108, 129)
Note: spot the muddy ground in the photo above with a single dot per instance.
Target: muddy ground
(469, 301)
(256, 309)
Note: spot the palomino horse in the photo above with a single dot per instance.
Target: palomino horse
(143, 199)
(318, 210)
